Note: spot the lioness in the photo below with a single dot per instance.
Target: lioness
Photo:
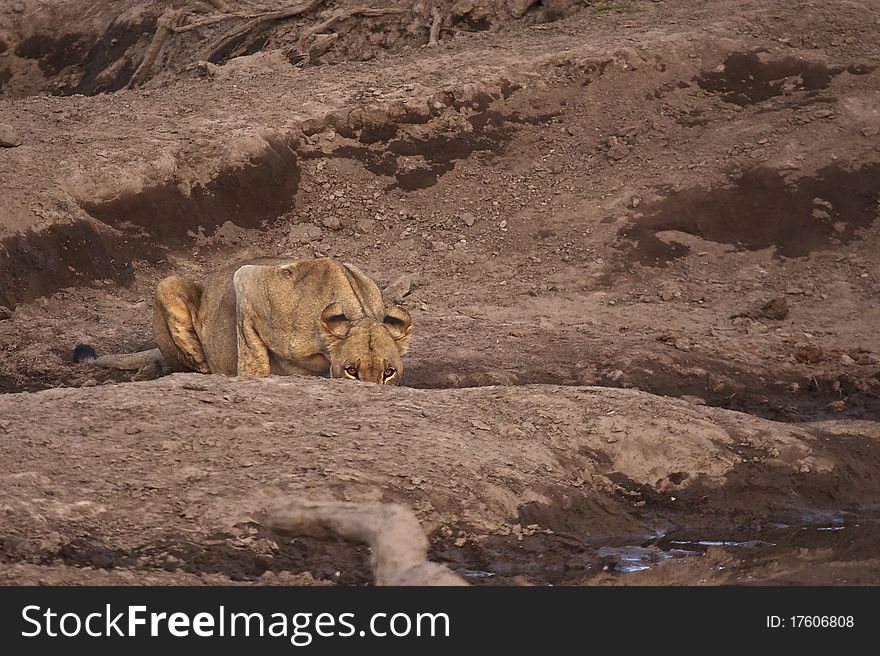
(313, 317)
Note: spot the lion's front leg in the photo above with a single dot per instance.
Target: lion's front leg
(253, 355)
(177, 304)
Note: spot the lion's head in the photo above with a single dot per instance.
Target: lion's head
(366, 349)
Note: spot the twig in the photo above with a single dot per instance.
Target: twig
(399, 545)
(164, 26)
(435, 26)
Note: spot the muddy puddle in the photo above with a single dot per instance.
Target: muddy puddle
(689, 554)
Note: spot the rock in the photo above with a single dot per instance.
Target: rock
(468, 219)
(682, 344)
(794, 291)
(809, 353)
(775, 309)
(846, 360)
(332, 222)
(438, 246)
(635, 201)
(397, 289)
(518, 8)
(365, 226)
(5, 313)
(667, 295)
(618, 151)
(8, 136)
(305, 233)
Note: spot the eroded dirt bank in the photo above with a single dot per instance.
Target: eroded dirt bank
(174, 474)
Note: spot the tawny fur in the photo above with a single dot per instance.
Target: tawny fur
(310, 317)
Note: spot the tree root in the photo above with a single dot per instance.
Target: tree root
(310, 38)
(164, 26)
(435, 27)
(399, 545)
(240, 32)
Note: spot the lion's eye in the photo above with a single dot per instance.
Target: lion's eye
(389, 372)
(351, 371)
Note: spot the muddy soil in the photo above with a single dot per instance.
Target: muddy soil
(639, 241)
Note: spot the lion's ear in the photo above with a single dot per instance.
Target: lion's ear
(334, 322)
(399, 324)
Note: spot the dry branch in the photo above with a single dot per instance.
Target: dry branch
(398, 543)
(164, 26)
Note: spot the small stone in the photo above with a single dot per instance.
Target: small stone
(365, 226)
(438, 246)
(468, 219)
(682, 344)
(775, 309)
(618, 151)
(794, 290)
(846, 360)
(636, 201)
(809, 353)
(503, 225)
(5, 313)
(303, 234)
(839, 227)
(8, 136)
(667, 295)
(332, 222)
(823, 113)
(398, 289)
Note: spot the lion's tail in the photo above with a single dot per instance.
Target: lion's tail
(126, 361)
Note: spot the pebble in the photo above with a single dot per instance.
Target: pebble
(332, 222)
(469, 219)
(846, 360)
(618, 151)
(5, 313)
(8, 136)
(303, 234)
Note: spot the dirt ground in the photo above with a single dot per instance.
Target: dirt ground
(638, 240)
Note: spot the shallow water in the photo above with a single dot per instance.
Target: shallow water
(822, 537)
